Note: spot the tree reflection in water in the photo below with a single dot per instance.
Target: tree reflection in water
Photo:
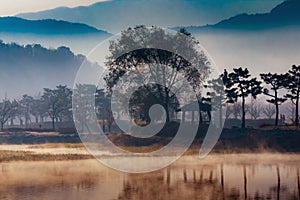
(213, 182)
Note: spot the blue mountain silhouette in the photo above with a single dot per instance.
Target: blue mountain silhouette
(285, 14)
(46, 26)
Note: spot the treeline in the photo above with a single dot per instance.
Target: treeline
(238, 85)
(230, 89)
(53, 105)
(35, 54)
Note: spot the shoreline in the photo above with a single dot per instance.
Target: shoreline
(69, 152)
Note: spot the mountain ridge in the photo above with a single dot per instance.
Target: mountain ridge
(46, 26)
(117, 15)
(283, 15)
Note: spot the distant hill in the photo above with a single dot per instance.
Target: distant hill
(283, 15)
(45, 27)
(117, 15)
(30, 68)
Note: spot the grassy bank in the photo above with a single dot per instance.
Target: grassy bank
(8, 156)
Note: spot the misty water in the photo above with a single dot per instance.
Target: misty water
(244, 176)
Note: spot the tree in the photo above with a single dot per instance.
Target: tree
(254, 110)
(240, 85)
(82, 107)
(144, 65)
(236, 110)
(277, 82)
(7, 109)
(58, 101)
(269, 111)
(218, 95)
(102, 103)
(292, 83)
(38, 109)
(229, 111)
(143, 99)
(25, 105)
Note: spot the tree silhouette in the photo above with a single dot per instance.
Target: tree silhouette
(146, 65)
(269, 111)
(82, 105)
(277, 82)
(102, 103)
(38, 109)
(292, 83)
(7, 109)
(217, 95)
(236, 108)
(58, 101)
(25, 105)
(254, 110)
(240, 85)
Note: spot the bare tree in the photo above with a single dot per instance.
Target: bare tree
(291, 108)
(254, 109)
(229, 111)
(236, 110)
(7, 109)
(269, 111)
(25, 105)
(57, 100)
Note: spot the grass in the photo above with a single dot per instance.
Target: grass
(142, 149)
(56, 145)
(8, 156)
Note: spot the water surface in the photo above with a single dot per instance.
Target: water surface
(235, 176)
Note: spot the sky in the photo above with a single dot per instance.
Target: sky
(13, 7)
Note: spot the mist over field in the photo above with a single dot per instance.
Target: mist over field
(260, 51)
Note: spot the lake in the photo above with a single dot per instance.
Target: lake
(228, 176)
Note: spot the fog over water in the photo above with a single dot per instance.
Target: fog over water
(243, 176)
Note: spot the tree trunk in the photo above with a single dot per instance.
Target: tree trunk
(220, 117)
(243, 113)
(167, 112)
(167, 105)
(36, 119)
(2, 126)
(277, 108)
(277, 113)
(53, 123)
(201, 118)
(26, 120)
(297, 112)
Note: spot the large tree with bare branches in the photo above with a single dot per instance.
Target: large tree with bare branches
(134, 54)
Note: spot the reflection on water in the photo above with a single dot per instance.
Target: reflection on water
(216, 178)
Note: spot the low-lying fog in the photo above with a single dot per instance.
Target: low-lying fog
(260, 51)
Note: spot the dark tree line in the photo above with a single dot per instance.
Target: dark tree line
(239, 84)
(53, 105)
(56, 104)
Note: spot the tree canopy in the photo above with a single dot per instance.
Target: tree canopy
(135, 62)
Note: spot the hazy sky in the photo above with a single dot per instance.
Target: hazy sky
(13, 7)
